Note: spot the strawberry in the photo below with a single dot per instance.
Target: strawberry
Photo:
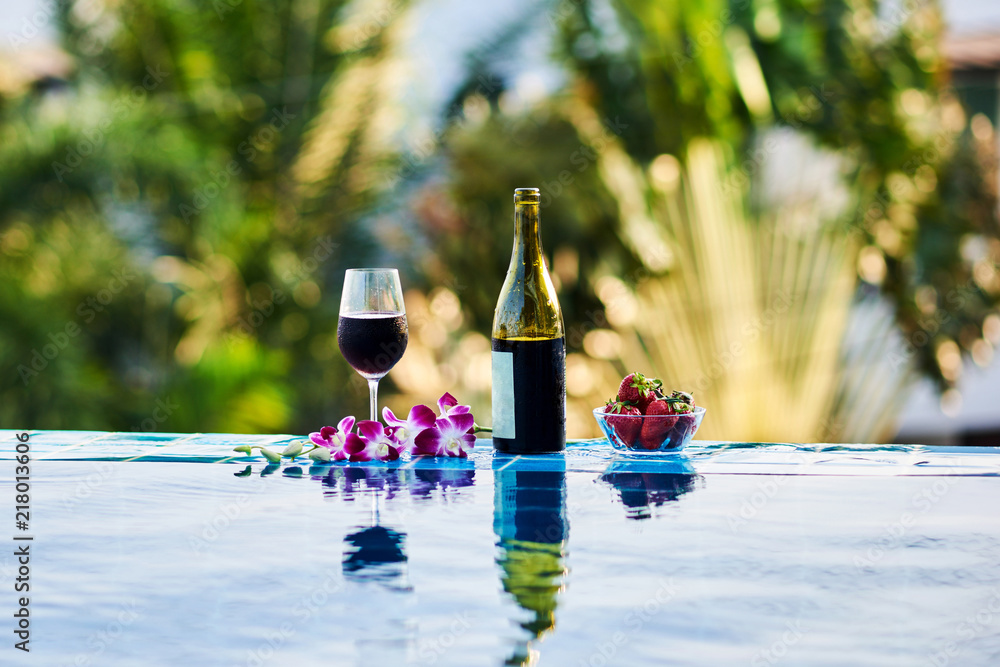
(621, 421)
(685, 425)
(677, 406)
(681, 401)
(638, 390)
(655, 430)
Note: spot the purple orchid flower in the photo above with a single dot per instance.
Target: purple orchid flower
(335, 438)
(404, 432)
(376, 442)
(450, 437)
(448, 405)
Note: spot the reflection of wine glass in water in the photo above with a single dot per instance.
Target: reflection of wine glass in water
(529, 519)
(641, 485)
(377, 553)
(372, 332)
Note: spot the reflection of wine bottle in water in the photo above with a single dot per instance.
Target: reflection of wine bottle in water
(529, 519)
(529, 350)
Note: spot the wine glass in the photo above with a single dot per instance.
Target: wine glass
(372, 330)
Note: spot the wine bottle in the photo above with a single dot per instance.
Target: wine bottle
(529, 345)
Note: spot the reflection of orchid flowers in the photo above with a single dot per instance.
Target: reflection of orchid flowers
(347, 482)
(420, 434)
(422, 481)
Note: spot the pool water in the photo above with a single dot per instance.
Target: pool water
(729, 554)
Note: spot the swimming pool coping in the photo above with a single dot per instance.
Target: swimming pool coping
(593, 455)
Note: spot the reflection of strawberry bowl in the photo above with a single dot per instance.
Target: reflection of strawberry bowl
(651, 432)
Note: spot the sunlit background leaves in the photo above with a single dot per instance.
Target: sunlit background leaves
(780, 205)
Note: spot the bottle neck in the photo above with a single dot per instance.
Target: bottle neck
(528, 308)
(527, 241)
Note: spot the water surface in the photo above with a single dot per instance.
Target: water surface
(861, 556)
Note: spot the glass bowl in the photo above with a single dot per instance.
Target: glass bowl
(649, 433)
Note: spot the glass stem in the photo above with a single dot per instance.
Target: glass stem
(373, 392)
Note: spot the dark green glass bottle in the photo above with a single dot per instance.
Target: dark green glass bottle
(529, 345)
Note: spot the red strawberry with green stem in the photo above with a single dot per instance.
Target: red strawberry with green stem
(622, 420)
(671, 409)
(681, 401)
(639, 390)
(658, 422)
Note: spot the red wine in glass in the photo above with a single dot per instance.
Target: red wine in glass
(372, 343)
(372, 331)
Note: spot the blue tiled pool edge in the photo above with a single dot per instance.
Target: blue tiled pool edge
(594, 455)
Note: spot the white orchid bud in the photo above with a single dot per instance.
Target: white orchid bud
(320, 454)
(293, 450)
(273, 457)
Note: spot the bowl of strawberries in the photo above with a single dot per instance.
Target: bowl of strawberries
(644, 418)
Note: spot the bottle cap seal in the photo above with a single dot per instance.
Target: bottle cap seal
(527, 196)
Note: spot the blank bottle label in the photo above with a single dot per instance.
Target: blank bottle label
(503, 394)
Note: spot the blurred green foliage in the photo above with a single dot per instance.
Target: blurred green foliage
(166, 155)
(231, 159)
